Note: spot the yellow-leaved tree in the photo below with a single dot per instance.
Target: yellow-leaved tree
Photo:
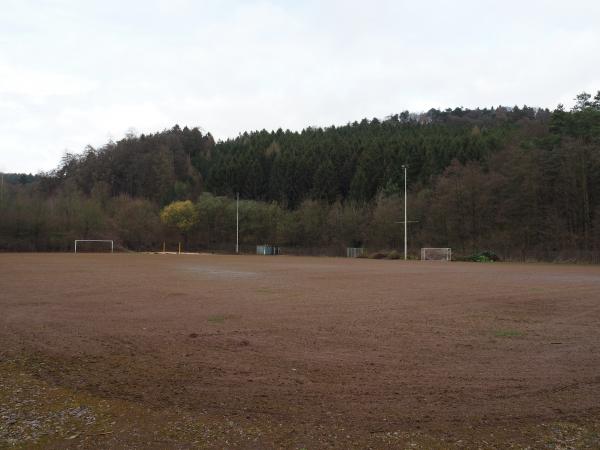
(181, 215)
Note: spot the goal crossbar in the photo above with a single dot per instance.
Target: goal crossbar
(112, 244)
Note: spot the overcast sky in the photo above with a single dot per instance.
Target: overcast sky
(76, 72)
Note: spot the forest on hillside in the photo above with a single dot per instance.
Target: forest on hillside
(520, 181)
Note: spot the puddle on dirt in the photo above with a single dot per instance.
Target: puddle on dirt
(221, 273)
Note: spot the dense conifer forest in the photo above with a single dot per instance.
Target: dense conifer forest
(520, 181)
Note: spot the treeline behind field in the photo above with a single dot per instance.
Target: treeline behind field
(522, 182)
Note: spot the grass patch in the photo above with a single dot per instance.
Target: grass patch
(216, 319)
(266, 290)
(508, 333)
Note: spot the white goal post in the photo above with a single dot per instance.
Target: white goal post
(112, 244)
(436, 254)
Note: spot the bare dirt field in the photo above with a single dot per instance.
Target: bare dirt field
(166, 351)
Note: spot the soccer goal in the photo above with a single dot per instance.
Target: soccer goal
(267, 250)
(93, 245)
(436, 254)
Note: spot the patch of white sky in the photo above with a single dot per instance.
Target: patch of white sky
(75, 73)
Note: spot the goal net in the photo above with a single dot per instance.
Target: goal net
(436, 254)
(94, 245)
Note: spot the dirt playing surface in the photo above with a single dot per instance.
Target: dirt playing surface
(302, 352)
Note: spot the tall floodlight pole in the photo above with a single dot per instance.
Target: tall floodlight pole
(405, 217)
(237, 223)
(406, 221)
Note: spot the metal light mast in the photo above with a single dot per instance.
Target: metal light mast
(237, 223)
(405, 216)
